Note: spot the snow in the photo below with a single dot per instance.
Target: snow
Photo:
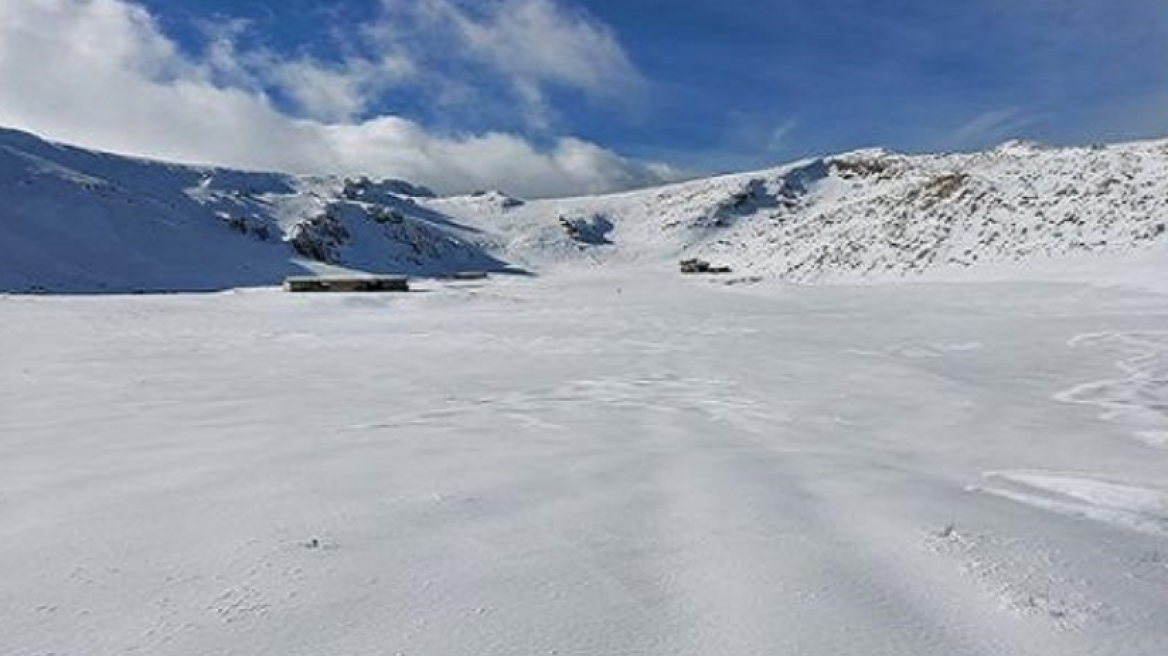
(78, 221)
(1139, 399)
(926, 414)
(598, 460)
(866, 216)
(1141, 509)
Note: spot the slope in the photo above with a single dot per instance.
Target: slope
(78, 221)
(862, 214)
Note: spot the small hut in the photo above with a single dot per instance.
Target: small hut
(347, 284)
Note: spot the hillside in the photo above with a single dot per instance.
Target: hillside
(870, 213)
(78, 221)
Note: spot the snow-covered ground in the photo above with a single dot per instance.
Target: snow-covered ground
(602, 460)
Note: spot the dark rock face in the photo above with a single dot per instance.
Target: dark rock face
(696, 265)
(377, 191)
(590, 231)
(253, 227)
(319, 238)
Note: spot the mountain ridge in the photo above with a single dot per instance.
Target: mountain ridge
(75, 220)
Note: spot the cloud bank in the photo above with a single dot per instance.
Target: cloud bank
(103, 74)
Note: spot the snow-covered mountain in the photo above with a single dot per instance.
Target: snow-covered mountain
(74, 220)
(871, 212)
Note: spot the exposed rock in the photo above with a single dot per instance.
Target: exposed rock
(591, 231)
(371, 191)
(319, 238)
(695, 265)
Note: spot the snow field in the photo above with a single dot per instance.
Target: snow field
(602, 461)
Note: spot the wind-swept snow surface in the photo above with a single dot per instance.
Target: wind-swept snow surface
(591, 462)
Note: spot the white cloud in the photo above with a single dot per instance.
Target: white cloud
(570, 167)
(537, 41)
(338, 92)
(330, 91)
(101, 73)
(532, 44)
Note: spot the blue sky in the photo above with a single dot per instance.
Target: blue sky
(725, 78)
(700, 85)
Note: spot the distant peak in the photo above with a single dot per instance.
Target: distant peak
(865, 154)
(1020, 147)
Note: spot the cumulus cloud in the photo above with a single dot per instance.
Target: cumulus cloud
(103, 74)
(330, 91)
(337, 92)
(533, 44)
